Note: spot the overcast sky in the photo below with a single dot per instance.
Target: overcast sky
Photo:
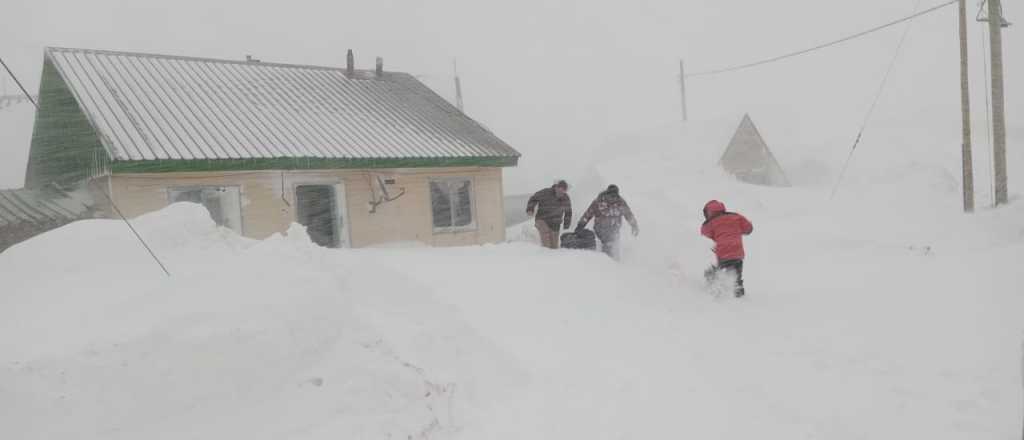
(557, 78)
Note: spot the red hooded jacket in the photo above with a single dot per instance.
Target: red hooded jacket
(726, 229)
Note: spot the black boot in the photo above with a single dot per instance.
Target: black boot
(710, 274)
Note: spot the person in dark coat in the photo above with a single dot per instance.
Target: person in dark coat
(608, 210)
(727, 230)
(552, 211)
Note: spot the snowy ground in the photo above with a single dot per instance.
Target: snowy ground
(881, 314)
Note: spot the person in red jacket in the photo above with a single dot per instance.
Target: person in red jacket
(727, 230)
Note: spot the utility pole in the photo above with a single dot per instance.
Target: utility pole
(682, 87)
(995, 28)
(458, 86)
(965, 107)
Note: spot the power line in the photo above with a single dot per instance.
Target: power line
(111, 200)
(27, 95)
(820, 46)
(139, 237)
(874, 104)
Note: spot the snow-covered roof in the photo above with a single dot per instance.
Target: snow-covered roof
(155, 107)
(19, 206)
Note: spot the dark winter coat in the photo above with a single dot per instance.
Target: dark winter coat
(726, 229)
(608, 210)
(553, 209)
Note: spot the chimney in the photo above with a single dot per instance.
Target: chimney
(380, 67)
(350, 66)
(250, 59)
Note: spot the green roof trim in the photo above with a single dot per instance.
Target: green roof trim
(193, 165)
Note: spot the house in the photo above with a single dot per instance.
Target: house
(360, 157)
(748, 158)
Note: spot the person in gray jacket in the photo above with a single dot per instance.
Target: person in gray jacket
(608, 210)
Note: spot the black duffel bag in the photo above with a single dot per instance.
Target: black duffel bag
(584, 239)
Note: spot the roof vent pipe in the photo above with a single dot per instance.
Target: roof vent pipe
(380, 66)
(350, 66)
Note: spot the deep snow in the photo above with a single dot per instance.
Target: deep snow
(884, 313)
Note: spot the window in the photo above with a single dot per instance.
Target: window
(223, 203)
(451, 201)
(317, 211)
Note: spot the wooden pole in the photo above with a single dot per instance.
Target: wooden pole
(965, 107)
(995, 27)
(682, 88)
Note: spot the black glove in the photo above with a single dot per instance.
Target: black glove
(566, 225)
(580, 226)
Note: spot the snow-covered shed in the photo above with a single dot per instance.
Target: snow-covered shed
(360, 157)
(731, 142)
(748, 158)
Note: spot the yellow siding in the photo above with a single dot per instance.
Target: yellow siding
(267, 201)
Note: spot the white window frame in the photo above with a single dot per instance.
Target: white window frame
(238, 188)
(473, 224)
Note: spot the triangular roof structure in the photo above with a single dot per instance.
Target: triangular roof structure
(748, 158)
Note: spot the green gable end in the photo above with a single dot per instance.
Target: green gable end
(65, 147)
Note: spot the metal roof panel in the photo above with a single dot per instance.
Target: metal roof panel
(153, 107)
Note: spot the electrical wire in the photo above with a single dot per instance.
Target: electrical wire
(874, 104)
(820, 46)
(136, 233)
(15, 78)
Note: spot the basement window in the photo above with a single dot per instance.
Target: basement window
(223, 203)
(451, 202)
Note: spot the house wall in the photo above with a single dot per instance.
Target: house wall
(268, 201)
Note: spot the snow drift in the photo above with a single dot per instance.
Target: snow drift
(246, 339)
(881, 314)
